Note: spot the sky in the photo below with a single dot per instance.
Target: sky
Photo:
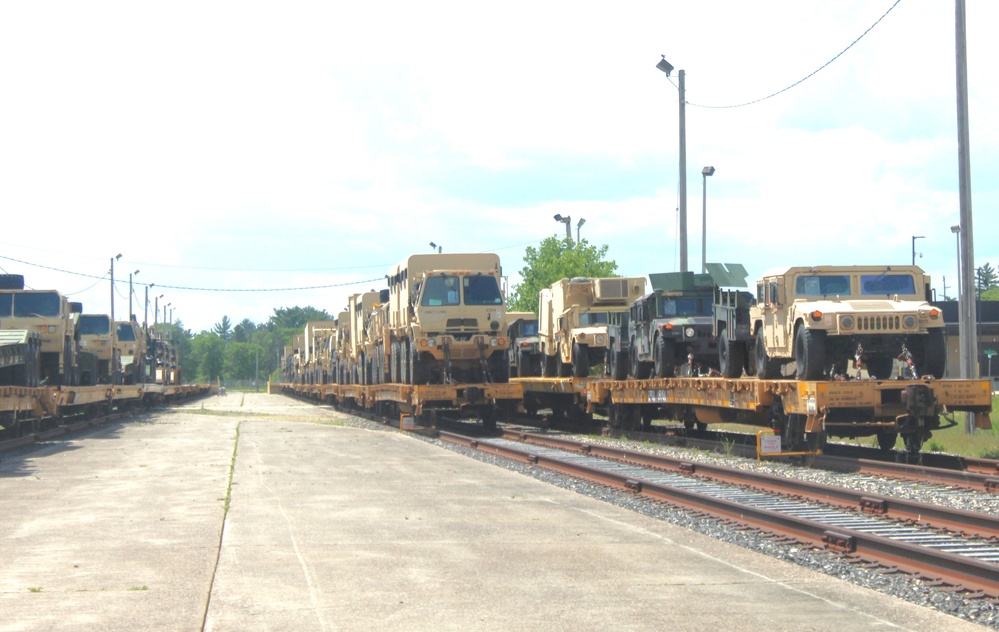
(248, 156)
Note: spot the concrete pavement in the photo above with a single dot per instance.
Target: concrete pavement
(340, 528)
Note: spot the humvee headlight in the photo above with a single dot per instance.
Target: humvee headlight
(846, 322)
(816, 315)
(600, 340)
(493, 342)
(689, 332)
(909, 322)
(431, 343)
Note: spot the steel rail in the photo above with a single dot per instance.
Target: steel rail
(949, 568)
(966, 522)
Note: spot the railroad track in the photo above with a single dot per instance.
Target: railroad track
(954, 547)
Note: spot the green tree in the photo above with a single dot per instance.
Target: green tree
(208, 355)
(986, 278)
(296, 317)
(243, 332)
(991, 294)
(223, 328)
(240, 360)
(555, 259)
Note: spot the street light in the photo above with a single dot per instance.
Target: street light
(914, 238)
(156, 309)
(667, 68)
(579, 225)
(113, 259)
(145, 310)
(439, 248)
(565, 220)
(705, 172)
(130, 314)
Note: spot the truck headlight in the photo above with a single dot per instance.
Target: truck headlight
(689, 332)
(909, 321)
(600, 340)
(846, 322)
(493, 342)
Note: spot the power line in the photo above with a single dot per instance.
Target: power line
(799, 81)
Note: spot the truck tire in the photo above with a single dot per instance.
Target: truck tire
(767, 368)
(933, 359)
(665, 355)
(617, 364)
(731, 355)
(580, 360)
(639, 370)
(809, 353)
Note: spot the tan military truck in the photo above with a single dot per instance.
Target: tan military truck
(314, 358)
(376, 339)
(96, 339)
(49, 313)
(525, 352)
(447, 318)
(833, 321)
(573, 317)
(134, 352)
(359, 306)
(341, 349)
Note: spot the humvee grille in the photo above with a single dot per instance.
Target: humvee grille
(879, 323)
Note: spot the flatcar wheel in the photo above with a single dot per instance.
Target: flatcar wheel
(887, 440)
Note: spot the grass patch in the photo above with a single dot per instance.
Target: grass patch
(143, 587)
(34, 589)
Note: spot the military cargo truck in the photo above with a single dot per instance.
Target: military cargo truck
(359, 306)
(573, 318)
(49, 313)
(524, 353)
(833, 321)
(314, 356)
(131, 340)
(446, 320)
(96, 339)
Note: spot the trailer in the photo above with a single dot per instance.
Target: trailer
(804, 412)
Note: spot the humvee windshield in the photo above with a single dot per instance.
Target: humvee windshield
(884, 284)
(830, 285)
(529, 328)
(95, 324)
(684, 307)
(593, 318)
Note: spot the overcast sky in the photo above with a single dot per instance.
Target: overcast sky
(227, 148)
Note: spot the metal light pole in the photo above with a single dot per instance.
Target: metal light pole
(914, 238)
(579, 225)
(145, 309)
(969, 334)
(156, 310)
(130, 314)
(567, 220)
(705, 172)
(666, 67)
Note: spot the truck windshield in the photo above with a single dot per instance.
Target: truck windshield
(593, 318)
(95, 325)
(482, 290)
(813, 285)
(44, 304)
(6, 304)
(529, 328)
(126, 333)
(884, 284)
(685, 307)
(440, 290)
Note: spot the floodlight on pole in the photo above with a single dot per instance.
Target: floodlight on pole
(667, 68)
(705, 172)
(439, 248)
(567, 220)
(579, 225)
(914, 238)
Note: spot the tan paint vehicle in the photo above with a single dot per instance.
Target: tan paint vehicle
(447, 320)
(134, 352)
(573, 317)
(833, 321)
(315, 357)
(50, 314)
(361, 346)
(96, 339)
